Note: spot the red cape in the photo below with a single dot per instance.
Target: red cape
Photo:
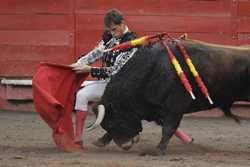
(54, 88)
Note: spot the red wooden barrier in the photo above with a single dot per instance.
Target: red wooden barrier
(60, 30)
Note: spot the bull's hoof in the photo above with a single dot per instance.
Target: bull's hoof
(161, 151)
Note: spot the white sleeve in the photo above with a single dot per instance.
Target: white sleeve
(93, 55)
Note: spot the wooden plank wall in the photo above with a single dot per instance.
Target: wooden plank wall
(243, 22)
(33, 31)
(209, 20)
(59, 30)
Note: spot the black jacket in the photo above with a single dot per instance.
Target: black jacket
(109, 58)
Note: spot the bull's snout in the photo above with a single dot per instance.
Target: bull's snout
(128, 145)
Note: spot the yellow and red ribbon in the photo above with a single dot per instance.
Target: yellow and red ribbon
(174, 61)
(192, 68)
(135, 42)
(179, 70)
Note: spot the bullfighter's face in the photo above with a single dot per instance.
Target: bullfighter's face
(117, 30)
(124, 127)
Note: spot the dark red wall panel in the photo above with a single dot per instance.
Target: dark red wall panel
(27, 39)
(30, 47)
(36, 38)
(32, 31)
(149, 7)
(210, 7)
(244, 8)
(36, 6)
(60, 30)
(90, 26)
(243, 24)
(156, 7)
(36, 22)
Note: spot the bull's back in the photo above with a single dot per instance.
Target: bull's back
(223, 70)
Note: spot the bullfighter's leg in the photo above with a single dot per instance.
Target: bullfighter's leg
(80, 120)
(92, 92)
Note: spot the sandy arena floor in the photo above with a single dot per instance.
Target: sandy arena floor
(25, 141)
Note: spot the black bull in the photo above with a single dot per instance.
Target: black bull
(148, 88)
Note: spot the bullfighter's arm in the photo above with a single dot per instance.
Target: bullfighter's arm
(93, 55)
(97, 52)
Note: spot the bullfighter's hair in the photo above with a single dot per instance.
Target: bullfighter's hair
(114, 16)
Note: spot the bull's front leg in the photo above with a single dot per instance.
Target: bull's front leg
(172, 114)
(170, 124)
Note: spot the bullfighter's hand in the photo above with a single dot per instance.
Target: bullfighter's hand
(74, 65)
(81, 68)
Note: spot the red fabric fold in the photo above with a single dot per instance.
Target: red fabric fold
(54, 88)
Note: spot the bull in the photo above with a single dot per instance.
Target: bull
(148, 88)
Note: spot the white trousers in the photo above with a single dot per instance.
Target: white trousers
(91, 92)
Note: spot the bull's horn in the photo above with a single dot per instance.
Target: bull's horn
(100, 116)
